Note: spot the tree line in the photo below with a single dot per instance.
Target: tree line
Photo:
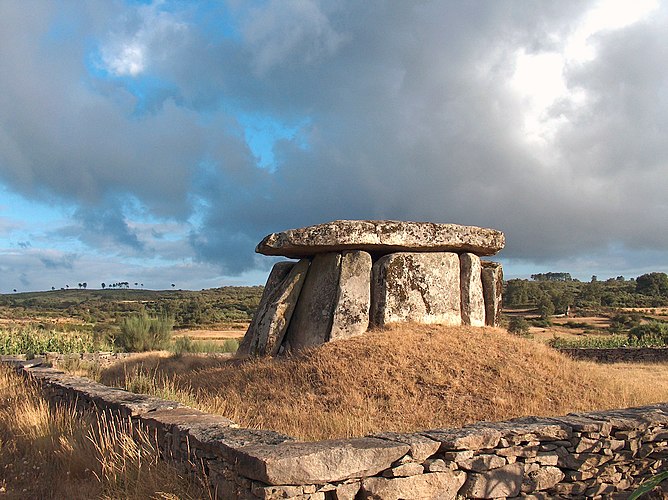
(554, 293)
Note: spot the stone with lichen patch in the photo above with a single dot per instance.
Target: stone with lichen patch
(381, 237)
(420, 287)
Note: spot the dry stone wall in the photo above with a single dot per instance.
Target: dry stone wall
(619, 354)
(583, 455)
(355, 274)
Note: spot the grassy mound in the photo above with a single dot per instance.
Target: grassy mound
(404, 378)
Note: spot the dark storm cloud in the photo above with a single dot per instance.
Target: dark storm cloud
(403, 110)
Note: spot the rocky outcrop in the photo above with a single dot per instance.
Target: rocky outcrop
(356, 274)
(382, 237)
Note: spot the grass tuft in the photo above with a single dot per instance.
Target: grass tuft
(54, 452)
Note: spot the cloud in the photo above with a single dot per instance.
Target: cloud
(58, 262)
(395, 110)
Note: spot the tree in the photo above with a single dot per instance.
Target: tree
(654, 284)
(545, 307)
(103, 286)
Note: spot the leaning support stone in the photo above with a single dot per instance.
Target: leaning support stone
(420, 287)
(353, 298)
(492, 289)
(270, 322)
(473, 303)
(312, 319)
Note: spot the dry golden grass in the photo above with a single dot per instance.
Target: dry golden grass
(53, 452)
(405, 378)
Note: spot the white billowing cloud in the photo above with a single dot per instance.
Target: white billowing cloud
(125, 58)
(130, 51)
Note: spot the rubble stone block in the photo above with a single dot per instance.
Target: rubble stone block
(437, 485)
(502, 482)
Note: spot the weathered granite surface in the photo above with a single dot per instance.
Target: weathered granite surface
(272, 317)
(353, 296)
(312, 318)
(472, 301)
(420, 287)
(492, 288)
(381, 237)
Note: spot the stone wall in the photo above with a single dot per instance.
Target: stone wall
(620, 354)
(586, 455)
(102, 358)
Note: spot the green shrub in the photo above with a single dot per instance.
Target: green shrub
(518, 325)
(607, 342)
(141, 332)
(651, 329)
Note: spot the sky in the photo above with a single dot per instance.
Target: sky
(157, 142)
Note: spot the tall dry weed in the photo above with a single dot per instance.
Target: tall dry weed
(55, 452)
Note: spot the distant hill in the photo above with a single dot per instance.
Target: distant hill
(189, 308)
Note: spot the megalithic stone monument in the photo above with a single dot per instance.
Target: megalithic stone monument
(353, 274)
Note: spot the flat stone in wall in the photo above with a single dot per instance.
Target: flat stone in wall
(472, 301)
(420, 287)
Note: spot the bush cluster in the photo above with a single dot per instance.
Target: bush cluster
(141, 332)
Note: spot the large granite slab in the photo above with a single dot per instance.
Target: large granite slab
(419, 287)
(381, 237)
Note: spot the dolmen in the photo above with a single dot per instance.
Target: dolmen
(355, 274)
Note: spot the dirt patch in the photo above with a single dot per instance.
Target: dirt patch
(210, 334)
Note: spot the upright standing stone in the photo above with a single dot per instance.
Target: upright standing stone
(270, 322)
(312, 319)
(353, 299)
(473, 303)
(492, 289)
(420, 287)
